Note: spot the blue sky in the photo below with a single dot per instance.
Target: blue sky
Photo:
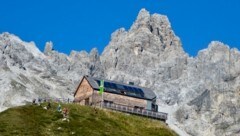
(84, 24)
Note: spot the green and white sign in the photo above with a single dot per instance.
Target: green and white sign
(101, 87)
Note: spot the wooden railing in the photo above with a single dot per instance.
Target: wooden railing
(142, 112)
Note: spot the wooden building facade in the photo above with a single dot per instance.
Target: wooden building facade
(87, 93)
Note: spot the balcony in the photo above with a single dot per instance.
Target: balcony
(141, 112)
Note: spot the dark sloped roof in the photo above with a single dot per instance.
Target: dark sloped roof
(121, 88)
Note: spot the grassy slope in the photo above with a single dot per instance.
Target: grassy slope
(84, 121)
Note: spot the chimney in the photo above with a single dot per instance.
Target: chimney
(131, 83)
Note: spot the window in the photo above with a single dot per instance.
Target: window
(137, 108)
(107, 102)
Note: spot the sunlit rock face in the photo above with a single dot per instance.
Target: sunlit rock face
(27, 73)
(204, 88)
(201, 94)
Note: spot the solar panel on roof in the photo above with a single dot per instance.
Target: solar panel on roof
(125, 87)
(107, 85)
(131, 88)
(135, 90)
(129, 91)
(120, 87)
(113, 86)
(140, 92)
(132, 91)
(98, 82)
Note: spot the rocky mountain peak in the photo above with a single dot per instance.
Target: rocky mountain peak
(48, 48)
(149, 44)
(118, 33)
(7, 38)
(218, 46)
(11, 45)
(94, 56)
(157, 29)
(152, 22)
(143, 20)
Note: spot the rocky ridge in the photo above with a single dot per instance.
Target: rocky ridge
(201, 94)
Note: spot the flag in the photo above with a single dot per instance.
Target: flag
(101, 88)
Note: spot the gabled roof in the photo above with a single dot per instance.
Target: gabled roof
(122, 89)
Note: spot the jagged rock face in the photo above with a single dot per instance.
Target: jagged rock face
(213, 85)
(27, 73)
(23, 73)
(143, 48)
(201, 94)
(150, 54)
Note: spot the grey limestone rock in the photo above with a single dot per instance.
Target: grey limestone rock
(48, 48)
(201, 94)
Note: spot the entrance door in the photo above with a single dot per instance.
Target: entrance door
(87, 101)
